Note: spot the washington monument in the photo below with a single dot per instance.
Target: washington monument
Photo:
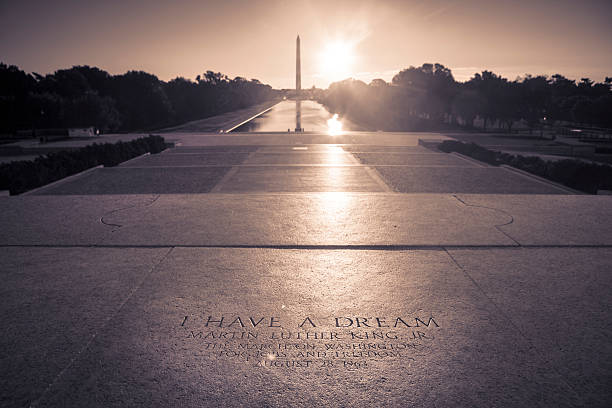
(298, 69)
(298, 87)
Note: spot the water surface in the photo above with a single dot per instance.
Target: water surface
(283, 117)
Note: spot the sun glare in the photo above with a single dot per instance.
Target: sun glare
(336, 61)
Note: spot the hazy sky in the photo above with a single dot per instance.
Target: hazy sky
(362, 39)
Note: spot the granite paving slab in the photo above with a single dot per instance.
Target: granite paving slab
(546, 220)
(386, 149)
(325, 158)
(54, 302)
(559, 299)
(308, 220)
(62, 220)
(210, 149)
(126, 180)
(413, 159)
(299, 179)
(302, 148)
(489, 180)
(186, 160)
(220, 327)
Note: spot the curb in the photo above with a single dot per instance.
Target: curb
(61, 181)
(430, 143)
(250, 119)
(471, 160)
(541, 180)
(136, 158)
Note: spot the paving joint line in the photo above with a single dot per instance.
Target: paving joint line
(539, 353)
(226, 177)
(358, 247)
(371, 171)
(289, 165)
(231, 173)
(95, 334)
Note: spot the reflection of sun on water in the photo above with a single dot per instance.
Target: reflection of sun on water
(334, 126)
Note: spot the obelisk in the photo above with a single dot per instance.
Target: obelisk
(298, 67)
(298, 87)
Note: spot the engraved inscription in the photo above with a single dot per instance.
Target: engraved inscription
(344, 342)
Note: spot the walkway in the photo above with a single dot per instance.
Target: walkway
(301, 270)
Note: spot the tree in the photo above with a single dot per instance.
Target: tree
(90, 109)
(378, 83)
(89, 96)
(432, 85)
(535, 96)
(468, 104)
(215, 78)
(67, 83)
(15, 86)
(582, 111)
(141, 100)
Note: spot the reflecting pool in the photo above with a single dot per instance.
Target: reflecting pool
(288, 115)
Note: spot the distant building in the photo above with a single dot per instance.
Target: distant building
(82, 132)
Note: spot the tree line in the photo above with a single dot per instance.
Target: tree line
(84, 96)
(428, 98)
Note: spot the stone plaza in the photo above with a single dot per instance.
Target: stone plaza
(302, 269)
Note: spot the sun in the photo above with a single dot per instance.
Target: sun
(336, 61)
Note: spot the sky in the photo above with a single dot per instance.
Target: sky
(339, 39)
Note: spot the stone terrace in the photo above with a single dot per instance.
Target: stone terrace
(365, 269)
